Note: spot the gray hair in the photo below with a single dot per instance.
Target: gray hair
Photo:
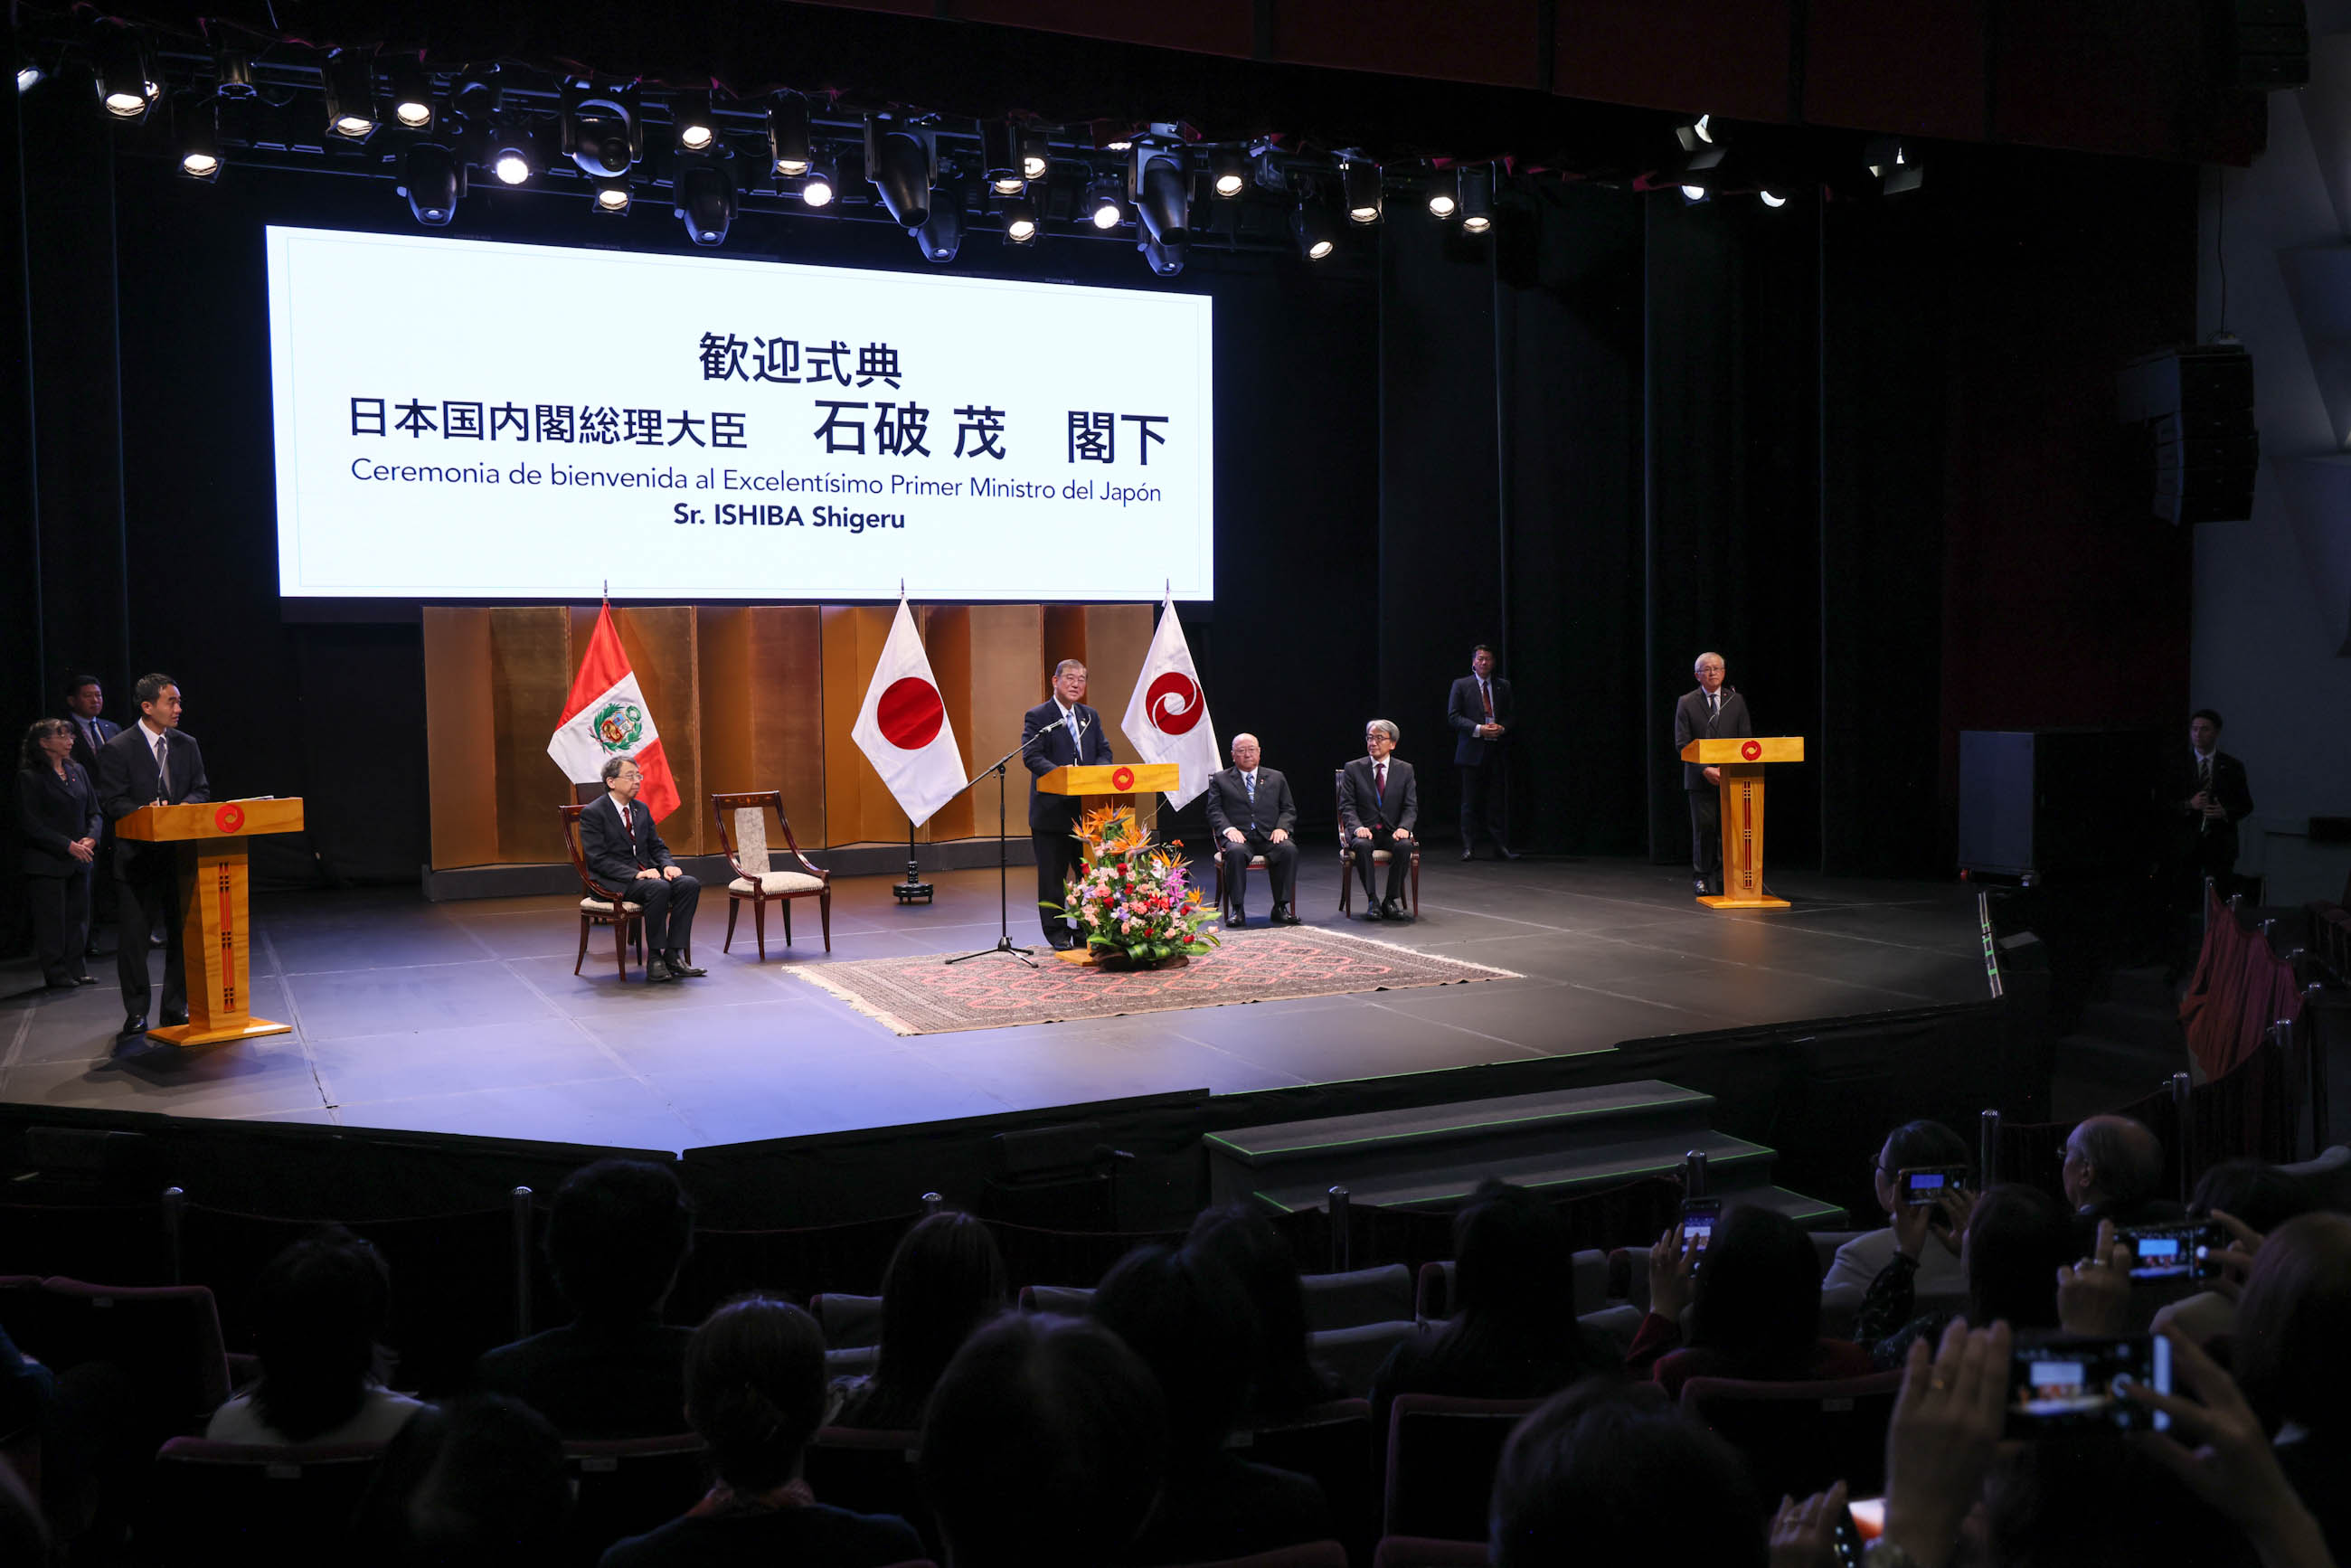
(1066, 665)
(1702, 658)
(614, 764)
(1384, 727)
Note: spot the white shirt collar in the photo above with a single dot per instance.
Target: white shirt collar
(1249, 774)
(2205, 755)
(153, 734)
(1067, 710)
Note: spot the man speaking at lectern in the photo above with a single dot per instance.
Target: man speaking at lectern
(153, 763)
(1713, 712)
(1058, 732)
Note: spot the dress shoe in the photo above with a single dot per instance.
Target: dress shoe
(174, 1016)
(135, 1024)
(154, 939)
(657, 971)
(685, 969)
(1698, 886)
(1061, 940)
(1395, 909)
(1285, 916)
(1468, 855)
(1239, 919)
(85, 979)
(1375, 911)
(1506, 852)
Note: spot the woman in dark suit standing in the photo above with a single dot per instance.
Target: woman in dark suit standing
(58, 808)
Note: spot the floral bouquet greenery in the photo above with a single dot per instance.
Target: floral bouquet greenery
(1136, 899)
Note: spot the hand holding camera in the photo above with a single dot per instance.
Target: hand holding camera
(2094, 1295)
(1946, 1423)
(1673, 1263)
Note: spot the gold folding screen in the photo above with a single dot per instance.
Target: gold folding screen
(746, 697)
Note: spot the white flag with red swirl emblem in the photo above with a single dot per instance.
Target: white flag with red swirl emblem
(1167, 718)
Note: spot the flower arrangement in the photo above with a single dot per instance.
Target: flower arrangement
(1135, 899)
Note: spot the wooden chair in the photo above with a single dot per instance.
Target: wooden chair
(743, 836)
(1379, 857)
(598, 905)
(1441, 1455)
(1801, 1437)
(1256, 863)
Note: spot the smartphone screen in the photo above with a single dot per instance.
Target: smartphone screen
(2172, 1251)
(1927, 1183)
(1699, 1217)
(2068, 1384)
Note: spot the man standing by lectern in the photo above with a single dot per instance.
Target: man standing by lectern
(1713, 712)
(1484, 717)
(153, 763)
(1058, 732)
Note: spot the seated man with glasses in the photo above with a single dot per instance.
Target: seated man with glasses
(1378, 805)
(623, 852)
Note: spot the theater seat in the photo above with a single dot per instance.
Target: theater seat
(849, 1321)
(1357, 1297)
(1311, 1554)
(254, 1503)
(868, 1471)
(1420, 1551)
(1441, 1455)
(1801, 1438)
(1354, 1355)
(629, 1486)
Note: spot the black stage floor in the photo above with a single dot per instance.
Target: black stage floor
(465, 1017)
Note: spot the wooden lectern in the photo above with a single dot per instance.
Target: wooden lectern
(1742, 763)
(1134, 785)
(215, 930)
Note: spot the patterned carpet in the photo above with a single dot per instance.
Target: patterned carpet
(928, 996)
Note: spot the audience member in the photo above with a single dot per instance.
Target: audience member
(2245, 1196)
(1286, 1381)
(1610, 1473)
(755, 1390)
(2085, 1500)
(617, 1235)
(318, 1308)
(1754, 1307)
(1515, 1334)
(945, 1279)
(1910, 1146)
(2113, 1168)
(479, 1483)
(1043, 1445)
(1190, 1320)
(2017, 1237)
(2293, 1359)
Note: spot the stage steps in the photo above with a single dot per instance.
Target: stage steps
(1560, 1142)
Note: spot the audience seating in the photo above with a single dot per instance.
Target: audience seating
(1357, 1297)
(742, 839)
(853, 1361)
(166, 1339)
(1419, 1552)
(1307, 1554)
(1799, 1438)
(786, 1262)
(1068, 1301)
(1441, 1454)
(1333, 1443)
(2034, 1152)
(122, 1242)
(1433, 1300)
(1355, 1355)
(849, 1321)
(626, 1488)
(242, 1502)
(869, 1471)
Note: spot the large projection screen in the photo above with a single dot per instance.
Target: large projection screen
(463, 420)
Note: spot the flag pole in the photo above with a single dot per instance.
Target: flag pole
(912, 890)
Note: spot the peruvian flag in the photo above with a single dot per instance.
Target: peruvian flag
(605, 717)
(1167, 718)
(902, 728)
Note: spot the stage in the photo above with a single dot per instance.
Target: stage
(464, 1018)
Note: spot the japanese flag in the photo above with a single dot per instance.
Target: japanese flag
(1167, 718)
(903, 726)
(605, 717)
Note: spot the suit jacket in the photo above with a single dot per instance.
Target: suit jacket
(54, 812)
(1465, 711)
(613, 856)
(1360, 806)
(1693, 722)
(107, 730)
(2228, 785)
(1230, 805)
(126, 781)
(1054, 748)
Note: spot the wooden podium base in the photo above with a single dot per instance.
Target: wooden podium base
(189, 1034)
(1720, 901)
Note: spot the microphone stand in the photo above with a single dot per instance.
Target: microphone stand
(1004, 943)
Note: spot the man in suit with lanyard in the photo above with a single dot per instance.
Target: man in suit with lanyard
(1713, 712)
(626, 857)
(1251, 813)
(1378, 805)
(1058, 732)
(154, 762)
(85, 705)
(2205, 795)
(1482, 713)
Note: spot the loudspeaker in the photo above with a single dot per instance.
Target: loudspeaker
(2062, 805)
(2194, 408)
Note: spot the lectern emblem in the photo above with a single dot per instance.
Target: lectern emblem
(1751, 750)
(619, 725)
(1123, 780)
(229, 817)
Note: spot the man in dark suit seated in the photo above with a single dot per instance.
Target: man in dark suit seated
(86, 711)
(616, 1236)
(1058, 732)
(1484, 717)
(1378, 805)
(625, 854)
(2205, 796)
(1713, 712)
(1251, 813)
(154, 762)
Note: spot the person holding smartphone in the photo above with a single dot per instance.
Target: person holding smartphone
(1924, 1229)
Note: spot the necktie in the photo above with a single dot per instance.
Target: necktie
(1380, 784)
(1248, 781)
(162, 773)
(1069, 718)
(2204, 788)
(91, 730)
(1487, 692)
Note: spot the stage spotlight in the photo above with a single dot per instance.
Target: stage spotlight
(1036, 155)
(612, 198)
(1228, 173)
(1474, 188)
(1124, 144)
(1361, 183)
(1020, 222)
(350, 78)
(509, 154)
(940, 233)
(233, 75)
(433, 180)
(901, 164)
(1771, 198)
(1698, 133)
(693, 124)
(705, 200)
(412, 94)
(1266, 168)
(821, 185)
(200, 156)
(1162, 195)
(1443, 196)
(27, 77)
(125, 89)
(1311, 227)
(788, 135)
(1103, 207)
(475, 93)
(1694, 195)
(602, 133)
(1166, 260)
(999, 152)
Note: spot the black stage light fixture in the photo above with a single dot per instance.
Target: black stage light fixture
(903, 164)
(350, 78)
(1361, 182)
(1161, 192)
(1166, 260)
(1036, 155)
(200, 155)
(1229, 172)
(1697, 133)
(1311, 227)
(233, 75)
(1771, 198)
(432, 179)
(999, 152)
(126, 88)
(821, 184)
(789, 153)
(412, 94)
(29, 77)
(509, 153)
(705, 200)
(1266, 166)
(602, 134)
(475, 94)
(1020, 222)
(941, 232)
(612, 198)
(1444, 198)
(692, 125)
(1474, 190)
(1105, 206)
